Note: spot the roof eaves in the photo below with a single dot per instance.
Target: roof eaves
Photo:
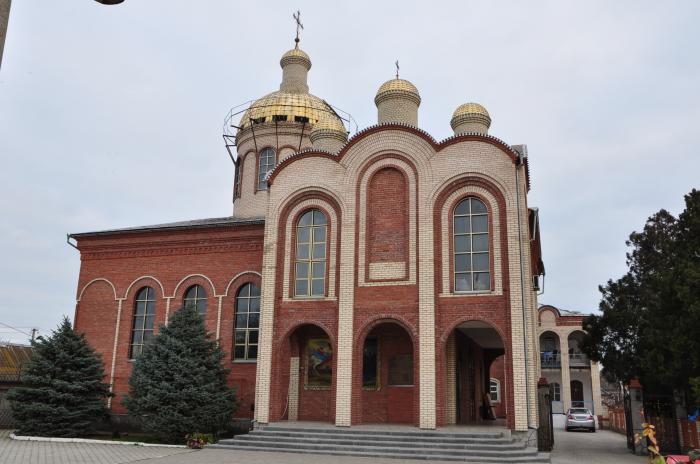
(181, 225)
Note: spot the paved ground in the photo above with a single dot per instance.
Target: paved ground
(602, 447)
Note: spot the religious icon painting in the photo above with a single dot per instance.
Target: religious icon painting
(319, 363)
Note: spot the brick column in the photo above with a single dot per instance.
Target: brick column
(293, 412)
(595, 389)
(114, 351)
(426, 323)
(565, 372)
(263, 372)
(346, 302)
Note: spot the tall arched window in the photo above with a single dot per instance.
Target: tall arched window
(310, 262)
(144, 318)
(472, 271)
(247, 323)
(196, 297)
(265, 165)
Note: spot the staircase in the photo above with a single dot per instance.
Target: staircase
(468, 447)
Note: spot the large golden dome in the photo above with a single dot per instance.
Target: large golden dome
(292, 105)
(400, 88)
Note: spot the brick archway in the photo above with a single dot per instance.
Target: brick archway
(305, 374)
(471, 347)
(385, 379)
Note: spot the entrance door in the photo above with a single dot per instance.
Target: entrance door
(577, 394)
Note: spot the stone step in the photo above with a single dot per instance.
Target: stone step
(379, 436)
(387, 449)
(363, 431)
(466, 459)
(370, 440)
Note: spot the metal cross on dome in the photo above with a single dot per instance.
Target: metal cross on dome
(297, 18)
(397, 69)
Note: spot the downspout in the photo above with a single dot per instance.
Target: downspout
(519, 163)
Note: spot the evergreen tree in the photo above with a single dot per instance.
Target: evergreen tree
(178, 385)
(650, 318)
(62, 392)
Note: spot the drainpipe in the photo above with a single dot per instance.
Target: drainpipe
(518, 164)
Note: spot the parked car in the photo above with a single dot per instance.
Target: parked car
(580, 418)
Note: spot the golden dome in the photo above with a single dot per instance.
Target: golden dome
(296, 55)
(470, 108)
(329, 122)
(397, 88)
(288, 107)
(470, 113)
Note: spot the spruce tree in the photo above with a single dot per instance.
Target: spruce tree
(178, 385)
(62, 392)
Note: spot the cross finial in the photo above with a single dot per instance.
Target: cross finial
(300, 26)
(397, 69)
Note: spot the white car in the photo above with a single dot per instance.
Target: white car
(580, 418)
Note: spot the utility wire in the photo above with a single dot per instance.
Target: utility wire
(16, 329)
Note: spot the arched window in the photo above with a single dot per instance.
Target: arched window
(495, 390)
(247, 323)
(472, 271)
(238, 179)
(556, 392)
(310, 262)
(266, 163)
(196, 297)
(144, 318)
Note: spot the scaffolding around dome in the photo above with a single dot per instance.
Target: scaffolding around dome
(280, 108)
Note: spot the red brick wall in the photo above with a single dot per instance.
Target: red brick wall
(219, 254)
(387, 221)
(96, 316)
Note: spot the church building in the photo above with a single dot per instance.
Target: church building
(365, 279)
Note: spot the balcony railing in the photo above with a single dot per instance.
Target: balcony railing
(550, 360)
(578, 360)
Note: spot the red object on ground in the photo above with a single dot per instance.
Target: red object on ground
(676, 458)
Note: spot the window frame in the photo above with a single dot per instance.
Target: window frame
(150, 297)
(556, 391)
(497, 383)
(196, 298)
(470, 234)
(246, 344)
(260, 183)
(310, 261)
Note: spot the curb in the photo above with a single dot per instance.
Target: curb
(87, 440)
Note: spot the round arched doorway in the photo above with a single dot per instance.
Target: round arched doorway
(472, 387)
(387, 375)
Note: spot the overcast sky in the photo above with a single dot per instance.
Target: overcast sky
(112, 116)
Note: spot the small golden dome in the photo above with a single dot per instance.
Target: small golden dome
(329, 123)
(285, 106)
(470, 113)
(400, 88)
(329, 133)
(298, 56)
